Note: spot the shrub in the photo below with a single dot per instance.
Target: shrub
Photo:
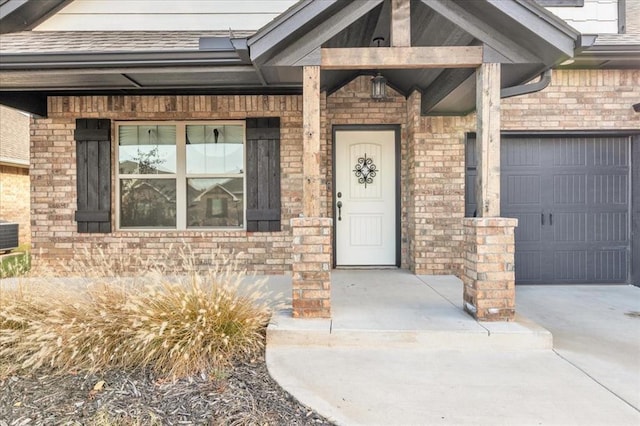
(15, 265)
(203, 320)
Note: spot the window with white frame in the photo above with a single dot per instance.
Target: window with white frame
(181, 175)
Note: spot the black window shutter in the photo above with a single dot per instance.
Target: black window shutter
(93, 160)
(263, 174)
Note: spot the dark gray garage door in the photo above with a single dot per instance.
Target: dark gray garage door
(571, 196)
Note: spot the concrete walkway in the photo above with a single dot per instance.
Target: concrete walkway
(595, 328)
(399, 350)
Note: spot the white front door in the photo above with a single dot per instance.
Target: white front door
(365, 197)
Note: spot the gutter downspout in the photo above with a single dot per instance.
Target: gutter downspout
(584, 41)
(525, 89)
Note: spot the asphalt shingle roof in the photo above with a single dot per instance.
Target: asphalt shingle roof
(618, 40)
(106, 41)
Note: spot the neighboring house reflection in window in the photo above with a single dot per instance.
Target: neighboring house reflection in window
(200, 163)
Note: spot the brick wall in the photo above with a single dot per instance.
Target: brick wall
(433, 202)
(311, 267)
(436, 185)
(54, 183)
(432, 161)
(578, 100)
(14, 199)
(489, 281)
(432, 172)
(352, 105)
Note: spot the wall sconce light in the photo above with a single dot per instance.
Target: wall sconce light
(636, 107)
(378, 87)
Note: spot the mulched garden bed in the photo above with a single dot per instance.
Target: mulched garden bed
(246, 395)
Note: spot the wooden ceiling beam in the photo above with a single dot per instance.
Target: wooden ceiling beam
(363, 58)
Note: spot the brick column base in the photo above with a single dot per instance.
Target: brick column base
(311, 267)
(489, 268)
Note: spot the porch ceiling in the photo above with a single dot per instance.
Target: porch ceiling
(522, 36)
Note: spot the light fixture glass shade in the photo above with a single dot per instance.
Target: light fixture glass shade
(378, 87)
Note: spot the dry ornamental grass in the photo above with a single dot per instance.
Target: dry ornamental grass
(203, 323)
(199, 321)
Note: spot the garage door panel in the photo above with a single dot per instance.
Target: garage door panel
(570, 189)
(521, 153)
(529, 227)
(609, 227)
(569, 152)
(522, 190)
(610, 189)
(569, 226)
(570, 266)
(610, 265)
(528, 269)
(610, 152)
(571, 196)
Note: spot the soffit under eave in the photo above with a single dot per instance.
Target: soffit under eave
(607, 57)
(20, 15)
(523, 37)
(289, 40)
(511, 29)
(519, 30)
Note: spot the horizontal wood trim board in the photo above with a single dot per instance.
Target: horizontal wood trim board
(92, 134)
(263, 214)
(93, 216)
(257, 134)
(363, 58)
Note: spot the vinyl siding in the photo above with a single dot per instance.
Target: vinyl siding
(156, 15)
(14, 137)
(595, 17)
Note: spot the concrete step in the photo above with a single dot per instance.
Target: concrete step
(520, 334)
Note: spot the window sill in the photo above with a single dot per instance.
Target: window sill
(174, 230)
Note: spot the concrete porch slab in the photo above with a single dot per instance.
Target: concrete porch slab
(589, 378)
(395, 308)
(383, 386)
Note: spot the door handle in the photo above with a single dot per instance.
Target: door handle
(542, 218)
(551, 219)
(339, 210)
